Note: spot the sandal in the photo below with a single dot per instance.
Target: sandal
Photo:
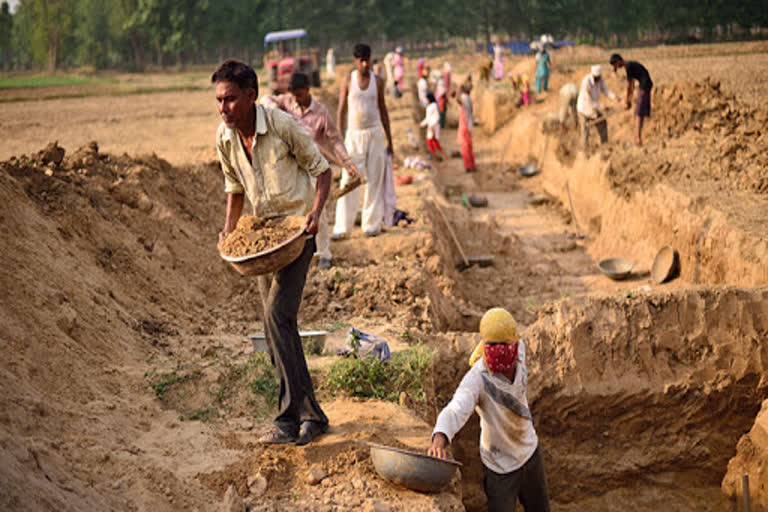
(274, 435)
(309, 431)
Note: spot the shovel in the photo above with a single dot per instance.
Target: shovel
(349, 187)
(602, 117)
(466, 262)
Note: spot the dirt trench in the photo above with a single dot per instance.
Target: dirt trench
(641, 393)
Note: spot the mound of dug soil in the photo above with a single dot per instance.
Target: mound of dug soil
(107, 264)
(335, 472)
(707, 135)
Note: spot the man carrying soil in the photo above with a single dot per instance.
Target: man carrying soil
(588, 106)
(266, 154)
(495, 387)
(314, 117)
(361, 116)
(636, 71)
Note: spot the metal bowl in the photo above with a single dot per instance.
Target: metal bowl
(665, 265)
(528, 170)
(313, 342)
(616, 268)
(272, 259)
(413, 470)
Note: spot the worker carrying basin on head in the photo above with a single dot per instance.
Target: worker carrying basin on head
(588, 105)
(495, 386)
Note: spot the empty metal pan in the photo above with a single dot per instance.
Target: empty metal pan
(616, 268)
(416, 471)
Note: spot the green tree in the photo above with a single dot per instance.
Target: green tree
(6, 35)
(47, 27)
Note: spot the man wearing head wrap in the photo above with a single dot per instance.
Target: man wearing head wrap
(588, 105)
(495, 387)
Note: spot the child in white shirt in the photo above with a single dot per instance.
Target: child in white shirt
(495, 387)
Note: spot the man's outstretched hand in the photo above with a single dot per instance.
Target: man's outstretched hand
(439, 446)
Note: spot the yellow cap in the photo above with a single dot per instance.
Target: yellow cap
(497, 325)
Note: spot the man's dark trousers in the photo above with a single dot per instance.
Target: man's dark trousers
(281, 295)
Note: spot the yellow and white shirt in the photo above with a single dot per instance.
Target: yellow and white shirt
(284, 157)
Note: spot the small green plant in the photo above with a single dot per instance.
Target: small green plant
(205, 415)
(257, 375)
(294, 495)
(354, 343)
(372, 378)
(262, 378)
(163, 382)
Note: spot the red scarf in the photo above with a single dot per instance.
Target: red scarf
(500, 357)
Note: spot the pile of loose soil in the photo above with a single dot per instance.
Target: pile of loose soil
(335, 472)
(705, 107)
(116, 274)
(253, 234)
(700, 133)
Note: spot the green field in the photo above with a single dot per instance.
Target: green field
(39, 81)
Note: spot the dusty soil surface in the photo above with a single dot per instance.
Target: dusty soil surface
(125, 335)
(255, 234)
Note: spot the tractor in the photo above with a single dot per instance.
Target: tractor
(283, 56)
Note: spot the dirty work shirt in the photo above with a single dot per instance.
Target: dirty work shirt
(636, 71)
(588, 103)
(316, 120)
(284, 157)
(507, 436)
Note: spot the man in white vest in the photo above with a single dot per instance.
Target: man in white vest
(363, 119)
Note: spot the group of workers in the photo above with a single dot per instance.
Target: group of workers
(435, 100)
(277, 153)
(582, 104)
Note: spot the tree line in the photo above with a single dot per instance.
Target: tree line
(136, 34)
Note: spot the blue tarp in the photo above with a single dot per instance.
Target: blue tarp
(523, 48)
(282, 35)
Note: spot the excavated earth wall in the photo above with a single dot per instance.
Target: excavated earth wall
(639, 401)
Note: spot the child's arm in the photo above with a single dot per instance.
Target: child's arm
(456, 413)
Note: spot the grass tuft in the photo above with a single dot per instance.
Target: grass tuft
(371, 378)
